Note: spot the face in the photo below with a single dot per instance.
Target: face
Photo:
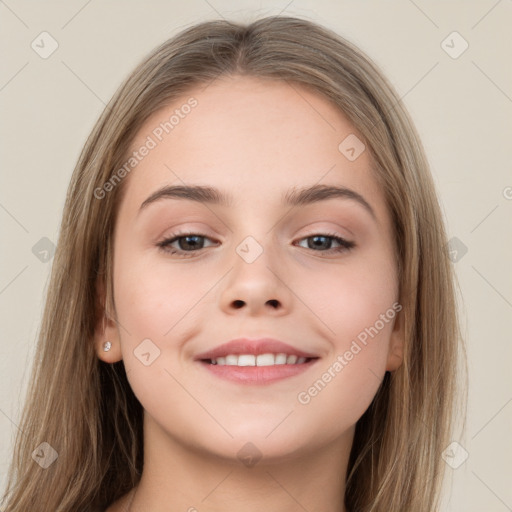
(320, 276)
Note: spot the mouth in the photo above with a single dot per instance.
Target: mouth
(248, 369)
(256, 361)
(255, 352)
(248, 360)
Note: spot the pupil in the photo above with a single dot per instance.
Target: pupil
(187, 238)
(316, 238)
(318, 241)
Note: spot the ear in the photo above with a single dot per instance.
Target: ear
(105, 329)
(396, 344)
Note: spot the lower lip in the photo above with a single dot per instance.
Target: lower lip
(257, 374)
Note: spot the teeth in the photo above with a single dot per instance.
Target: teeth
(278, 359)
(231, 360)
(246, 360)
(259, 360)
(267, 360)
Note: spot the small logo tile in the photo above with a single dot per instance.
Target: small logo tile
(456, 249)
(351, 147)
(146, 352)
(44, 249)
(249, 455)
(249, 249)
(44, 45)
(454, 45)
(455, 455)
(45, 455)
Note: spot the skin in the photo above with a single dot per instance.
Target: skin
(255, 140)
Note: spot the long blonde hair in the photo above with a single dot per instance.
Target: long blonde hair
(85, 409)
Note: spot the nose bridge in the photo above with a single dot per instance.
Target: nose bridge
(254, 259)
(255, 281)
(257, 235)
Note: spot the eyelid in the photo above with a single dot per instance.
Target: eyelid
(173, 237)
(345, 245)
(337, 231)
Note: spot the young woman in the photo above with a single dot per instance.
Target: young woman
(251, 305)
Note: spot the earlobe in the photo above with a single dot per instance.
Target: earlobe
(106, 340)
(396, 344)
(395, 359)
(106, 335)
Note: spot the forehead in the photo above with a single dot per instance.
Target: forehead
(253, 138)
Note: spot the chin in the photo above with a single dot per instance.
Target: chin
(268, 445)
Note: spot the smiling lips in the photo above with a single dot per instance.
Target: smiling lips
(257, 361)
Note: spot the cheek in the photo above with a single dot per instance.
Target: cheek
(352, 297)
(357, 306)
(360, 318)
(152, 294)
(153, 302)
(363, 313)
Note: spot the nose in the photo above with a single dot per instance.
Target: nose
(256, 288)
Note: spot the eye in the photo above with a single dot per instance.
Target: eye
(319, 241)
(187, 243)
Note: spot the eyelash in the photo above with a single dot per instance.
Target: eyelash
(345, 245)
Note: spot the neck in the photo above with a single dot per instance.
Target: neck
(179, 477)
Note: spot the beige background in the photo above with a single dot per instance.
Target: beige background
(462, 108)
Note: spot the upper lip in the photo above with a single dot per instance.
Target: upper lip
(253, 346)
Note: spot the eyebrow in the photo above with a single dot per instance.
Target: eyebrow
(294, 197)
